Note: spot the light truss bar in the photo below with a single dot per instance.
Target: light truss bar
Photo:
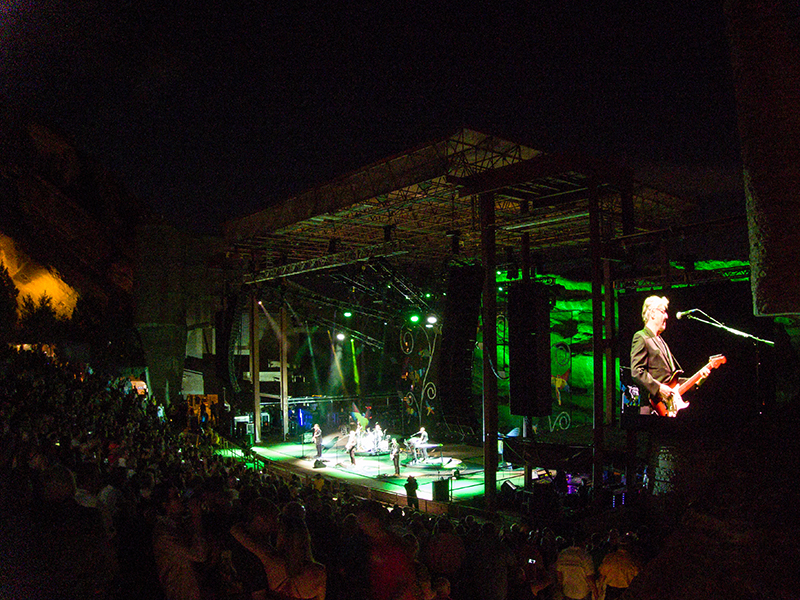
(304, 294)
(329, 261)
(365, 339)
(682, 277)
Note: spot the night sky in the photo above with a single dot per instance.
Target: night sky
(213, 110)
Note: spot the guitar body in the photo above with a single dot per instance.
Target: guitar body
(676, 403)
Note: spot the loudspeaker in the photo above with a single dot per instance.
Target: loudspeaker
(441, 490)
(459, 331)
(529, 350)
(318, 464)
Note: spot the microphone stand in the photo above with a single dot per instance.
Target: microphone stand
(714, 323)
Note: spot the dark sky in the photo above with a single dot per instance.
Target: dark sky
(212, 110)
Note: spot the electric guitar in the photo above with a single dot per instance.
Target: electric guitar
(675, 403)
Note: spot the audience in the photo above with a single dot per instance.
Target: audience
(100, 498)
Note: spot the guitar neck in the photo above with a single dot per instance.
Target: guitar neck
(687, 385)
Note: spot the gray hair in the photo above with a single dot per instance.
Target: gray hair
(651, 302)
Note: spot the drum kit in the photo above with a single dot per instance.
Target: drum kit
(373, 441)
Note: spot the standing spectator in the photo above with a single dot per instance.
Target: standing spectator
(445, 551)
(489, 566)
(441, 586)
(618, 569)
(179, 547)
(576, 576)
(291, 569)
(411, 492)
(391, 569)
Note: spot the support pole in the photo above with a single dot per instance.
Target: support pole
(527, 424)
(284, 351)
(255, 365)
(597, 331)
(489, 320)
(609, 342)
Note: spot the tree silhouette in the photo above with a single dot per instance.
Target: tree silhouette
(8, 305)
(39, 323)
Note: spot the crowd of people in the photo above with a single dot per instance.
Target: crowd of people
(101, 498)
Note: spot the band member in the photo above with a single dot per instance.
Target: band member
(317, 437)
(395, 455)
(352, 443)
(421, 440)
(652, 364)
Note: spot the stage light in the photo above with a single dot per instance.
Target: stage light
(414, 318)
(348, 314)
(432, 319)
(340, 336)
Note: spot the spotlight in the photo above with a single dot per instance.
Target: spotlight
(432, 319)
(348, 314)
(340, 336)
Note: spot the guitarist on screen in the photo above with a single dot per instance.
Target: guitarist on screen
(652, 364)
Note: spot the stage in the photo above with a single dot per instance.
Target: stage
(452, 474)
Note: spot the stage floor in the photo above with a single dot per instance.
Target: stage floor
(461, 466)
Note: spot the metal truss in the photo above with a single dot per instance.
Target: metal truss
(683, 277)
(359, 336)
(329, 261)
(424, 196)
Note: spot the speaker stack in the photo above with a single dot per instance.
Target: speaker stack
(459, 330)
(529, 349)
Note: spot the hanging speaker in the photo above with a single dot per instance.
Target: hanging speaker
(529, 350)
(459, 331)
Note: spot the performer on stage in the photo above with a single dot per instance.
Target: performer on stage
(395, 455)
(352, 443)
(420, 443)
(317, 437)
(652, 363)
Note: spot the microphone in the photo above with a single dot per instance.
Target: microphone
(679, 314)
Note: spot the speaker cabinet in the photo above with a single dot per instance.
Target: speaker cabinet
(529, 350)
(441, 490)
(459, 330)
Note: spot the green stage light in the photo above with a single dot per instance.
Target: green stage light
(348, 314)
(414, 318)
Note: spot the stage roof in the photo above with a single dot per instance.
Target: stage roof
(421, 209)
